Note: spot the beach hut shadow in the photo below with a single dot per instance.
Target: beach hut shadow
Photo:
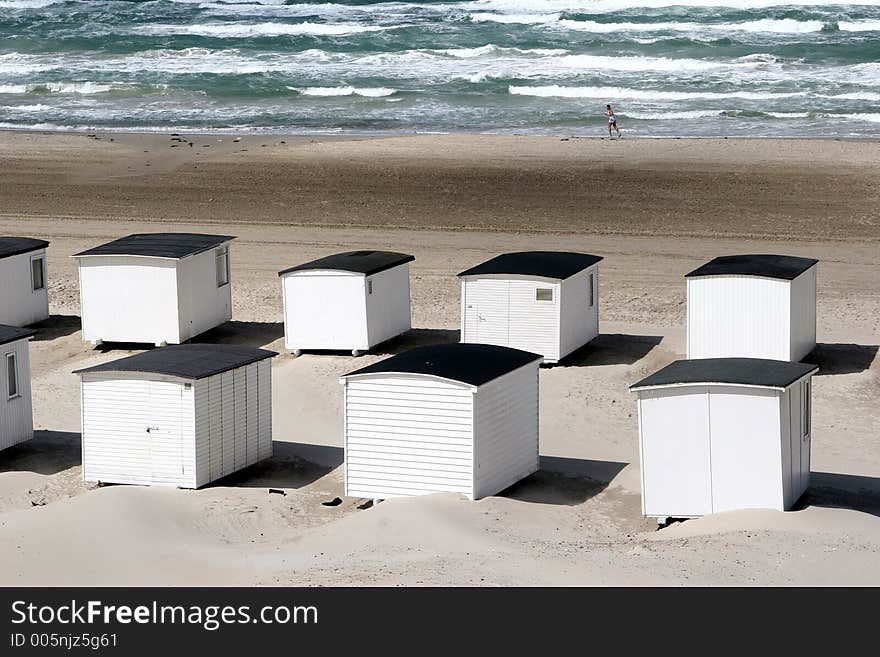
(254, 334)
(416, 337)
(842, 358)
(47, 453)
(612, 349)
(292, 465)
(829, 489)
(564, 481)
(56, 326)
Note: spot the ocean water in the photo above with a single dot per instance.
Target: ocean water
(669, 67)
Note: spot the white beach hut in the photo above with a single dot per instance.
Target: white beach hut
(16, 412)
(441, 418)
(155, 288)
(719, 434)
(181, 415)
(23, 295)
(752, 306)
(347, 301)
(546, 302)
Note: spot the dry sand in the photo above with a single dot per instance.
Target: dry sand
(653, 208)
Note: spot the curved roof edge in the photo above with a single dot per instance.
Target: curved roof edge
(768, 265)
(468, 363)
(364, 262)
(546, 264)
(754, 372)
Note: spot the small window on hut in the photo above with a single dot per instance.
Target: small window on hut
(11, 376)
(805, 404)
(544, 294)
(592, 291)
(369, 287)
(38, 279)
(222, 258)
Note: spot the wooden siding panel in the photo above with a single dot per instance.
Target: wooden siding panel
(20, 304)
(265, 409)
(738, 316)
(396, 450)
(239, 387)
(227, 423)
(506, 431)
(16, 414)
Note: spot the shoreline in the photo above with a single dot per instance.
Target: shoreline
(374, 134)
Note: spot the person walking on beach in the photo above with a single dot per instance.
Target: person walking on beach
(612, 121)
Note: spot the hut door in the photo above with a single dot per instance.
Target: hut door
(164, 432)
(487, 311)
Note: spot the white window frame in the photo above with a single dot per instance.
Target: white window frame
(11, 357)
(42, 259)
(538, 291)
(222, 252)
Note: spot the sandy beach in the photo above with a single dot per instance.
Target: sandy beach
(655, 209)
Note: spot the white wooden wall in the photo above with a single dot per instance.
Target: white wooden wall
(674, 452)
(20, 304)
(233, 420)
(505, 430)
(129, 299)
(200, 430)
(117, 410)
(388, 307)
(202, 305)
(738, 316)
(407, 435)
(324, 310)
(803, 314)
(16, 414)
(706, 449)
(796, 441)
(579, 321)
(744, 434)
(505, 312)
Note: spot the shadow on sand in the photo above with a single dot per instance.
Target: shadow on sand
(292, 465)
(829, 489)
(564, 481)
(254, 334)
(612, 349)
(47, 453)
(842, 358)
(57, 326)
(397, 344)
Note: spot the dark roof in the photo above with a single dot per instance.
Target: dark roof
(744, 371)
(159, 245)
(474, 364)
(756, 264)
(13, 333)
(188, 361)
(548, 264)
(360, 262)
(10, 246)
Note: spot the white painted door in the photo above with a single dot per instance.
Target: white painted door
(487, 312)
(164, 432)
(675, 453)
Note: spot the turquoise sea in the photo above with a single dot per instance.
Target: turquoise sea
(695, 67)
